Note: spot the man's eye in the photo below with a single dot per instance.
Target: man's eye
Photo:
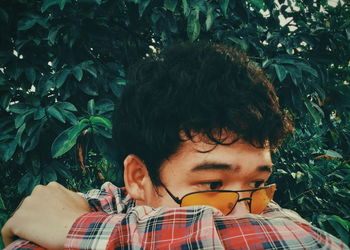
(215, 185)
(256, 184)
(210, 185)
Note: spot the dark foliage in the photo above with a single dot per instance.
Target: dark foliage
(62, 66)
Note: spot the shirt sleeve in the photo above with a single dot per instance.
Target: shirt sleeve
(109, 199)
(23, 244)
(197, 227)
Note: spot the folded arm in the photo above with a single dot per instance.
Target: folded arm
(114, 223)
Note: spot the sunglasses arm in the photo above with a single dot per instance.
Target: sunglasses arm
(176, 199)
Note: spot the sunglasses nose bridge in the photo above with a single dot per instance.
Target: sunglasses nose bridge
(245, 195)
(241, 207)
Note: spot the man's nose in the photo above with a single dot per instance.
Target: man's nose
(241, 209)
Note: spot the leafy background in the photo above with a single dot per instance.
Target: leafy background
(62, 66)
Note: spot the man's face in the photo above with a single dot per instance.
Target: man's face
(233, 167)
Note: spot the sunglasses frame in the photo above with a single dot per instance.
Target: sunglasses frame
(249, 200)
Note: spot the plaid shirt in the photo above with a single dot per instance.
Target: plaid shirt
(116, 223)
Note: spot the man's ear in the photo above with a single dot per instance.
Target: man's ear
(135, 177)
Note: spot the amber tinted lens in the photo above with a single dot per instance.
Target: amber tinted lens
(224, 201)
(261, 198)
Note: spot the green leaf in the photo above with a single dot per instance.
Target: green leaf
(5, 101)
(266, 63)
(25, 24)
(102, 131)
(30, 74)
(92, 71)
(54, 112)
(104, 105)
(3, 82)
(48, 175)
(6, 125)
(67, 106)
(116, 88)
(52, 35)
(2, 204)
(70, 117)
(67, 139)
(61, 77)
(47, 4)
(19, 134)
(258, 4)
(10, 149)
(89, 88)
(319, 89)
(344, 223)
(25, 183)
(333, 154)
(61, 169)
(142, 6)
(295, 73)
(35, 165)
(240, 42)
(63, 3)
(210, 19)
(88, 66)
(45, 86)
(193, 25)
(104, 146)
(18, 108)
(308, 69)
(21, 118)
(20, 157)
(96, 120)
(186, 8)
(34, 101)
(91, 107)
(39, 114)
(4, 16)
(78, 73)
(5, 137)
(33, 128)
(121, 81)
(286, 59)
(338, 227)
(155, 17)
(314, 113)
(224, 6)
(170, 5)
(280, 71)
(32, 141)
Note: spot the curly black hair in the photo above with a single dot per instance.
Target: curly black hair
(190, 89)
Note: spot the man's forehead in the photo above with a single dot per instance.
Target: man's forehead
(196, 152)
(198, 159)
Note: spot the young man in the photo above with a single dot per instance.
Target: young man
(195, 128)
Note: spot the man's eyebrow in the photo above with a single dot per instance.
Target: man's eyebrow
(212, 166)
(222, 166)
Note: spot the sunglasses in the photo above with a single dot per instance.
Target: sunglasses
(226, 200)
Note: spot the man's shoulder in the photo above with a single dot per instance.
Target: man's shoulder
(277, 228)
(109, 198)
